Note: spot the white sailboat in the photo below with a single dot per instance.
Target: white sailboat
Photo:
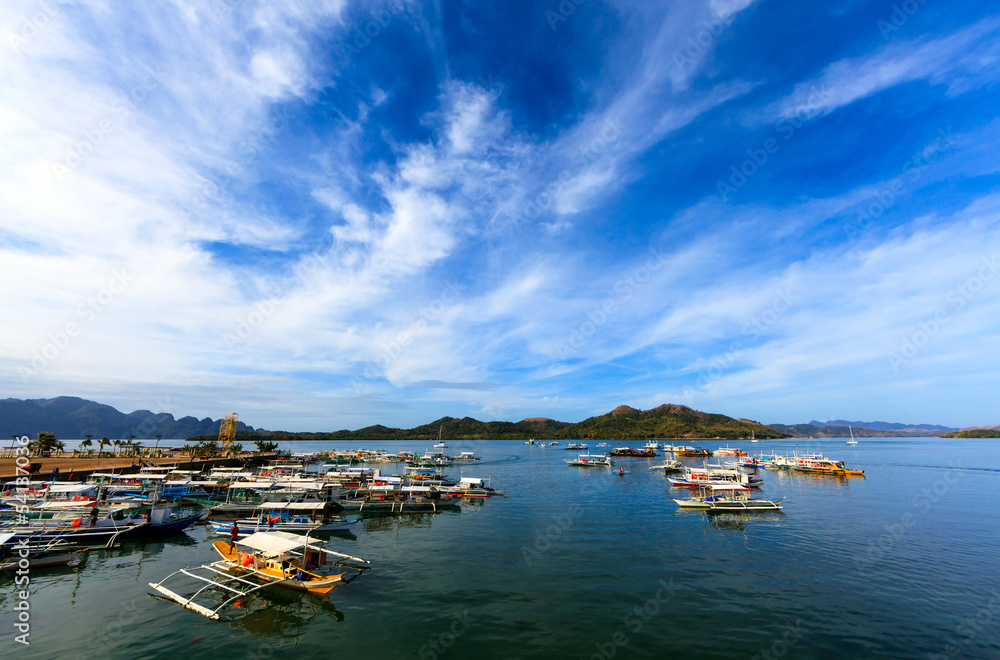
(753, 438)
(852, 441)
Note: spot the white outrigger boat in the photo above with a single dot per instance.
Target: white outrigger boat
(727, 497)
(668, 466)
(591, 460)
(261, 560)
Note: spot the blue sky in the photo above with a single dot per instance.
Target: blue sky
(329, 215)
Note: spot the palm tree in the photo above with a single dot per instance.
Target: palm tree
(86, 444)
(45, 443)
(191, 450)
(236, 448)
(102, 443)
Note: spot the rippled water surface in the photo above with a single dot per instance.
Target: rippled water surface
(577, 563)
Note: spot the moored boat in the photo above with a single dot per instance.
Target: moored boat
(728, 497)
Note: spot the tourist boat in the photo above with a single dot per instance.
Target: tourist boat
(573, 446)
(530, 441)
(632, 451)
(827, 466)
(465, 456)
(441, 445)
(669, 466)
(852, 441)
(730, 451)
(694, 452)
(553, 444)
(602, 444)
(73, 525)
(653, 445)
(694, 477)
(591, 460)
(294, 517)
(471, 487)
(393, 498)
(56, 552)
(727, 497)
(261, 560)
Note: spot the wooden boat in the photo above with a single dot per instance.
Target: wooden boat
(730, 451)
(260, 560)
(295, 517)
(694, 452)
(728, 497)
(668, 466)
(591, 460)
(827, 466)
(399, 499)
(632, 451)
(695, 477)
(471, 487)
(56, 552)
(466, 456)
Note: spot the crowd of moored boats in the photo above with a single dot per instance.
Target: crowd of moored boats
(721, 487)
(271, 516)
(268, 518)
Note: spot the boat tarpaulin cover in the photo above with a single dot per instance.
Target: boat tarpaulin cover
(301, 506)
(273, 542)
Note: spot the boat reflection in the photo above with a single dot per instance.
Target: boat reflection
(276, 613)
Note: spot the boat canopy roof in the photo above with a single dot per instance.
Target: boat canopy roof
(253, 485)
(298, 506)
(274, 543)
(71, 488)
(725, 487)
(6, 536)
(470, 480)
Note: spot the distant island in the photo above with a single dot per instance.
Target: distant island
(976, 432)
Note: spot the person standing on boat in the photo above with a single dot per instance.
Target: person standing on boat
(93, 516)
(234, 532)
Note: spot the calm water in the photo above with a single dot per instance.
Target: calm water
(586, 564)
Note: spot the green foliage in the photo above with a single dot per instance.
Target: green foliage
(623, 423)
(973, 433)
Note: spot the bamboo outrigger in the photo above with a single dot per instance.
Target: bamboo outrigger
(261, 560)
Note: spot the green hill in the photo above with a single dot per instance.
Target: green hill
(973, 433)
(624, 423)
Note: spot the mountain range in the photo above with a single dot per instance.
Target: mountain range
(73, 417)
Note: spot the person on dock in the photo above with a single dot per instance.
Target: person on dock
(234, 532)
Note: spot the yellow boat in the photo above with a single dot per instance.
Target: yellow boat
(260, 560)
(827, 466)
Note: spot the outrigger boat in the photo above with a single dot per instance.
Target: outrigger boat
(261, 560)
(693, 452)
(668, 466)
(591, 460)
(728, 497)
(827, 466)
(296, 517)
